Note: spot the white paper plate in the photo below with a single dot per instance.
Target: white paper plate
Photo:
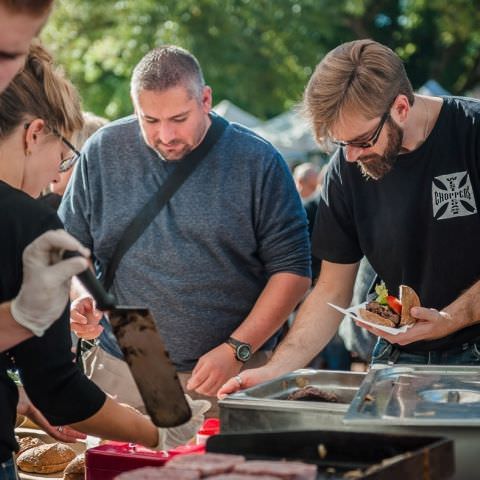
(352, 312)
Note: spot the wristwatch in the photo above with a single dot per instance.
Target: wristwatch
(243, 351)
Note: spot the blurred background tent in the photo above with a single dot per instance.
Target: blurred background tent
(432, 87)
(289, 132)
(233, 113)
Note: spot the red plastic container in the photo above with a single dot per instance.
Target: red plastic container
(107, 461)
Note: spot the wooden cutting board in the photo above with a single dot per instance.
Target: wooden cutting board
(78, 447)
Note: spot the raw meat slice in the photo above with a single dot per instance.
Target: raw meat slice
(283, 470)
(208, 464)
(159, 473)
(241, 476)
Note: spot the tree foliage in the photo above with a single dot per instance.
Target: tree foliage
(257, 53)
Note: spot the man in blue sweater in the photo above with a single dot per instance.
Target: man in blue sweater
(222, 264)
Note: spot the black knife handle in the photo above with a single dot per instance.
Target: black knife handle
(103, 299)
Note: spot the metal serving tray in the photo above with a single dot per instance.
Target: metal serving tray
(343, 384)
(418, 395)
(264, 406)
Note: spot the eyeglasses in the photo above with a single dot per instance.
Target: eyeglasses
(68, 162)
(373, 138)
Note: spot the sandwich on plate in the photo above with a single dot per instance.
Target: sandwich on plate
(391, 311)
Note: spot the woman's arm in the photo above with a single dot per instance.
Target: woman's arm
(116, 422)
(11, 332)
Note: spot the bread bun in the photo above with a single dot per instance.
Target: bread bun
(75, 470)
(28, 442)
(375, 318)
(409, 299)
(47, 458)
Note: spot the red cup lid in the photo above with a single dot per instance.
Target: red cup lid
(211, 426)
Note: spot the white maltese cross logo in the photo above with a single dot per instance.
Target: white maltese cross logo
(452, 196)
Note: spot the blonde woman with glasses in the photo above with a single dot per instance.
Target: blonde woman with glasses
(20, 21)
(39, 110)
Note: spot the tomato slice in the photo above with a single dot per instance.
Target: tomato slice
(394, 304)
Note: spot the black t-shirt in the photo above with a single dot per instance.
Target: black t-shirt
(419, 225)
(311, 211)
(51, 199)
(52, 381)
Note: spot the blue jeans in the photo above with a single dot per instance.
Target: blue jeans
(8, 470)
(388, 354)
(333, 357)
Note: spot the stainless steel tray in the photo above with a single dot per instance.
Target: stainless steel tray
(273, 394)
(418, 395)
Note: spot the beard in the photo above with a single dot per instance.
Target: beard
(180, 150)
(377, 166)
(177, 149)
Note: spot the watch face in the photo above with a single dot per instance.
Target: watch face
(243, 353)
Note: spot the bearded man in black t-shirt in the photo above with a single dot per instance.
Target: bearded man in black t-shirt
(403, 189)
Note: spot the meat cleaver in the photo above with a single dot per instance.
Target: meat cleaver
(145, 354)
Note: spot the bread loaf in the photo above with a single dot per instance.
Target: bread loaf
(47, 458)
(75, 470)
(28, 442)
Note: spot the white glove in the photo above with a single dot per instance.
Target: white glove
(46, 280)
(169, 438)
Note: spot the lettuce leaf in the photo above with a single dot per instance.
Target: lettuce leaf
(382, 293)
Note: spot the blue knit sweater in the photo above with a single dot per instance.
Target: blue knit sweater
(204, 260)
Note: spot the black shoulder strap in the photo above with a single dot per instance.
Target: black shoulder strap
(146, 215)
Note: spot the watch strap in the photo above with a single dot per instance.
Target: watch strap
(233, 342)
(237, 345)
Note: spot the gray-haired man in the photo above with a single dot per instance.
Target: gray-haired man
(223, 264)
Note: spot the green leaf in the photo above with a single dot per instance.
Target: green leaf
(382, 293)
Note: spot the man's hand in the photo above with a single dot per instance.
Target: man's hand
(213, 369)
(46, 280)
(62, 434)
(85, 318)
(431, 324)
(246, 379)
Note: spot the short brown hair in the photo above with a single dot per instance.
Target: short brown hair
(166, 67)
(29, 7)
(40, 90)
(362, 75)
